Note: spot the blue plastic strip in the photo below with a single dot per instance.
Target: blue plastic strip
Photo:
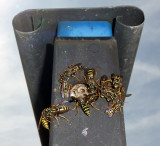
(84, 29)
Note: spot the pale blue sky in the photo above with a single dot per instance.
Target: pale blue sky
(142, 113)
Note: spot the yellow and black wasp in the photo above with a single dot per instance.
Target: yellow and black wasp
(51, 113)
(120, 93)
(114, 108)
(105, 86)
(118, 90)
(81, 102)
(74, 69)
(90, 99)
(64, 86)
(84, 103)
(110, 88)
(105, 89)
(116, 81)
(64, 79)
(90, 79)
(92, 84)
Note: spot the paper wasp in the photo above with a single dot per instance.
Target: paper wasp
(114, 108)
(85, 109)
(64, 79)
(92, 86)
(105, 86)
(51, 113)
(105, 89)
(84, 103)
(64, 86)
(116, 81)
(72, 70)
(120, 93)
(90, 79)
(81, 102)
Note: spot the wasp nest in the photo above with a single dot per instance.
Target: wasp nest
(79, 91)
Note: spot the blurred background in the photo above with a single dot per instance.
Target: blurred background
(142, 113)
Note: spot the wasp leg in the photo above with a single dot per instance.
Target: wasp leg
(70, 66)
(75, 77)
(70, 86)
(58, 104)
(82, 76)
(74, 107)
(98, 94)
(65, 118)
(127, 95)
(53, 118)
(121, 110)
(77, 109)
(57, 120)
(58, 88)
(97, 82)
(95, 107)
(50, 121)
(39, 123)
(59, 74)
(53, 106)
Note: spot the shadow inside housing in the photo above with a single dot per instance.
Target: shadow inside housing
(28, 22)
(132, 17)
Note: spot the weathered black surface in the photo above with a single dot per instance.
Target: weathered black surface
(103, 56)
(35, 43)
(127, 39)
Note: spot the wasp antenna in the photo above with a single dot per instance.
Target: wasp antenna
(70, 66)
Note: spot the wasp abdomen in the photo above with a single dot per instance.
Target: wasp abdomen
(85, 109)
(62, 109)
(45, 123)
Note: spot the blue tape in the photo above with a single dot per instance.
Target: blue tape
(84, 29)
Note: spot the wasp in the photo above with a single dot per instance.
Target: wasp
(112, 88)
(92, 86)
(120, 93)
(72, 70)
(90, 79)
(92, 98)
(110, 96)
(105, 86)
(51, 113)
(116, 81)
(64, 86)
(84, 103)
(118, 88)
(81, 102)
(64, 79)
(45, 119)
(85, 109)
(114, 108)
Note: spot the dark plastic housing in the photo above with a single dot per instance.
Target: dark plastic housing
(35, 32)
